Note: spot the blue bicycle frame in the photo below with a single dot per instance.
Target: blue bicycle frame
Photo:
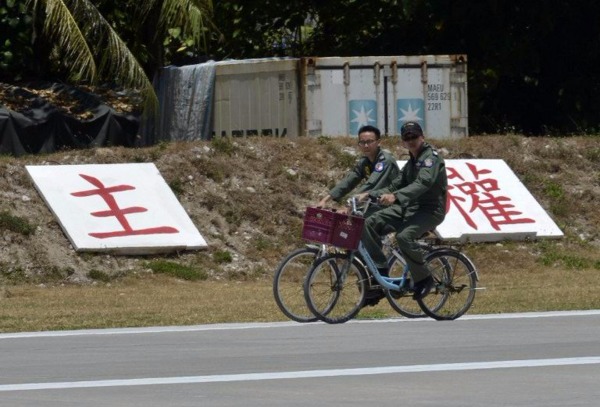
(389, 283)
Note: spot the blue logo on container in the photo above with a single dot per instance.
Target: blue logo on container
(410, 110)
(362, 112)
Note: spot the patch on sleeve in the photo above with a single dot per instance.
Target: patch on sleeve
(428, 163)
(379, 166)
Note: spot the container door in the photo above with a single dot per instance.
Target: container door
(343, 94)
(256, 98)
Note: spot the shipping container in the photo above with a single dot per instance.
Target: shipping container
(256, 97)
(342, 94)
(333, 96)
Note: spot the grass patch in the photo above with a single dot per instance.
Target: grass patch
(177, 270)
(569, 261)
(177, 187)
(15, 224)
(222, 256)
(223, 145)
(98, 275)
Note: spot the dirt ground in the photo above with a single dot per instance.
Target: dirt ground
(247, 198)
(247, 195)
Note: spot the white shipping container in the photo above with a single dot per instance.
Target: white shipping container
(256, 97)
(342, 94)
(333, 96)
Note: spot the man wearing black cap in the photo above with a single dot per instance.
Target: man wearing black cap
(416, 203)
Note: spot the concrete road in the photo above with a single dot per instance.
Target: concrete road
(547, 359)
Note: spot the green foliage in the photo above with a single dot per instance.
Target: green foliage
(98, 40)
(15, 47)
(12, 274)
(262, 244)
(15, 224)
(222, 256)
(593, 154)
(223, 145)
(99, 275)
(553, 255)
(569, 261)
(517, 82)
(177, 186)
(342, 158)
(177, 270)
(554, 190)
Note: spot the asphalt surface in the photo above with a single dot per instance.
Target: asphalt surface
(545, 359)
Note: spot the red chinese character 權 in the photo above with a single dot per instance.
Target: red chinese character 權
(496, 208)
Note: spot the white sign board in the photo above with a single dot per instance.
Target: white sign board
(118, 208)
(487, 203)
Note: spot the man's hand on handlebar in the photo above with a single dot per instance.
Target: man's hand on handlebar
(387, 199)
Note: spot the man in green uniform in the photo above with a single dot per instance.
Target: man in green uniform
(377, 168)
(416, 203)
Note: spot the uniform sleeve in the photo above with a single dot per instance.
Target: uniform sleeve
(424, 181)
(349, 182)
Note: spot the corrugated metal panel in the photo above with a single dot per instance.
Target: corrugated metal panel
(256, 97)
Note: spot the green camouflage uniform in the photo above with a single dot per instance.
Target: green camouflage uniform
(420, 206)
(376, 174)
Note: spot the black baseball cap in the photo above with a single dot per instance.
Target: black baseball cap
(409, 128)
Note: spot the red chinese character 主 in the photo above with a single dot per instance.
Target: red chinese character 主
(119, 213)
(497, 209)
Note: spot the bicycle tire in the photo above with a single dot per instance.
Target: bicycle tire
(332, 295)
(404, 304)
(455, 284)
(288, 283)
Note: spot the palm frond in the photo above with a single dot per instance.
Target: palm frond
(84, 36)
(62, 28)
(193, 16)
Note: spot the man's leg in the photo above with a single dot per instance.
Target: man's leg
(414, 227)
(375, 225)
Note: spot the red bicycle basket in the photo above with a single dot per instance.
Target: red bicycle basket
(336, 229)
(318, 225)
(347, 231)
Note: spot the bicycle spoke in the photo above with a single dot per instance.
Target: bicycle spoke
(455, 284)
(334, 289)
(288, 284)
(402, 303)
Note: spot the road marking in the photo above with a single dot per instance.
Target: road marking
(445, 367)
(259, 325)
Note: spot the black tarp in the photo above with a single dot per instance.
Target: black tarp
(42, 127)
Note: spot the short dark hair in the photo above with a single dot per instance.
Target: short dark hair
(370, 128)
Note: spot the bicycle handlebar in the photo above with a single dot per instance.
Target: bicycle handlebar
(354, 204)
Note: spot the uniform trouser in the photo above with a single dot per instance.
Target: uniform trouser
(408, 230)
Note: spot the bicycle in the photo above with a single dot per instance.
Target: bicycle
(335, 287)
(289, 276)
(288, 281)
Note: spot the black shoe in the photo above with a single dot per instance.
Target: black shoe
(372, 297)
(423, 287)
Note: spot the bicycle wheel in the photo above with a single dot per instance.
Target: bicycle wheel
(288, 283)
(455, 284)
(334, 288)
(404, 304)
